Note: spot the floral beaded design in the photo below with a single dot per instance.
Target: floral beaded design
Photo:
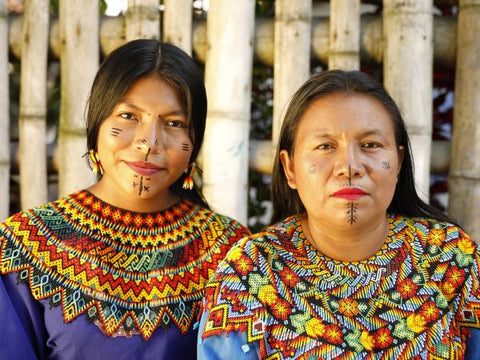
(411, 300)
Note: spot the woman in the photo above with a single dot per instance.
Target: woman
(355, 265)
(117, 271)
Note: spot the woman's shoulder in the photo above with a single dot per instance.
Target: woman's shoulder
(432, 232)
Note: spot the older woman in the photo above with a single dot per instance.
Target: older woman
(355, 265)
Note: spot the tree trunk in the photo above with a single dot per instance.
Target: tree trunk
(291, 67)
(464, 181)
(4, 115)
(177, 23)
(344, 37)
(408, 67)
(228, 79)
(33, 105)
(79, 25)
(142, 20)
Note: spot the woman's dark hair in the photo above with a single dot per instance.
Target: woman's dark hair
(140, 58)
(286, 201)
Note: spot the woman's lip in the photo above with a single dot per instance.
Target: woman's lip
(143, 168)
(349, 193)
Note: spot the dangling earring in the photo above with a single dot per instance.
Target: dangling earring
(188, 182)
(96, 164)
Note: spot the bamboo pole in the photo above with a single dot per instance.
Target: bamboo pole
(291, 67)
(79, 25)
(344, 50)
(33, 105)
(112, 35)
(142, 20)
(464, 180)
(4, 115)
(177, 23)
(230, 27)
(408, 67)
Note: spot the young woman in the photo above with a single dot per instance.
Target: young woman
(116, 271)
(355, 265)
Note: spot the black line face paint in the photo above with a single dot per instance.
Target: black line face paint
(144, 141)
(115, 131)
(185, 147)
(386, 165)
(351, 213)
(148, 152)
(349, 175)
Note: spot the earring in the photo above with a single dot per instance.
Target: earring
(96, 164)
(188, 182)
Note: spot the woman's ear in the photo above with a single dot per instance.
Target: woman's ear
(288, 169)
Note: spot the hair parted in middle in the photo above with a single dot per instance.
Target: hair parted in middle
(287, 202)
(145, 57)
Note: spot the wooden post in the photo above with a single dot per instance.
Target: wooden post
(228, 79)
(142, 20)
(464, 180)
(4, 115)
(79, 24)
(33, 105)
(291, 67)
(408, 68)
(177, 23)
(344, 39)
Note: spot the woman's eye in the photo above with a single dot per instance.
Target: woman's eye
(324, 147)
(176, 123)
(371, 145)
(128, 116)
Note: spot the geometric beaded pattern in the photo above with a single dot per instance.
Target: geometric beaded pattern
(411, 300)
(128, 272)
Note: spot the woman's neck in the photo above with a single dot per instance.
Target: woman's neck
(356, 244)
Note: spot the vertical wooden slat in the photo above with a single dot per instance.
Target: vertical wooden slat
(177, 23)
(228, 78)
(292, 45)
(344, 38)
(464, 180)
(79, 25)
(4, 115)
(142, 20)
(408, 68)
(33, 104)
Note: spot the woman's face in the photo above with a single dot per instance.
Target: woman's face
(345, 161)
(144, 147)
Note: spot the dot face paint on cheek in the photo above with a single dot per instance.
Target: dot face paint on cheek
(386, 165)
(312, 168)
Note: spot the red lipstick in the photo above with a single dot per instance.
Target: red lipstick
(143, 167)
(349, 193)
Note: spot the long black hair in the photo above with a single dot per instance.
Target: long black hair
(287, 202)
(140, 58)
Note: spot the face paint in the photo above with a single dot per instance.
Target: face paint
(185, 147)
(351, 213)
(312, 169)
(115, 131)
(349, 175)
(386, 165)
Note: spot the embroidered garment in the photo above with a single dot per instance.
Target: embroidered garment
(275, 296)
(127, 273)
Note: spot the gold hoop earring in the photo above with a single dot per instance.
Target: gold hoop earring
(96, 164)
(188, 182)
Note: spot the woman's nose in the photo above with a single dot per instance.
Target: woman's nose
(349, 164)
(147, 138)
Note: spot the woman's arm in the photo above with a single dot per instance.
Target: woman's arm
(23, 334)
